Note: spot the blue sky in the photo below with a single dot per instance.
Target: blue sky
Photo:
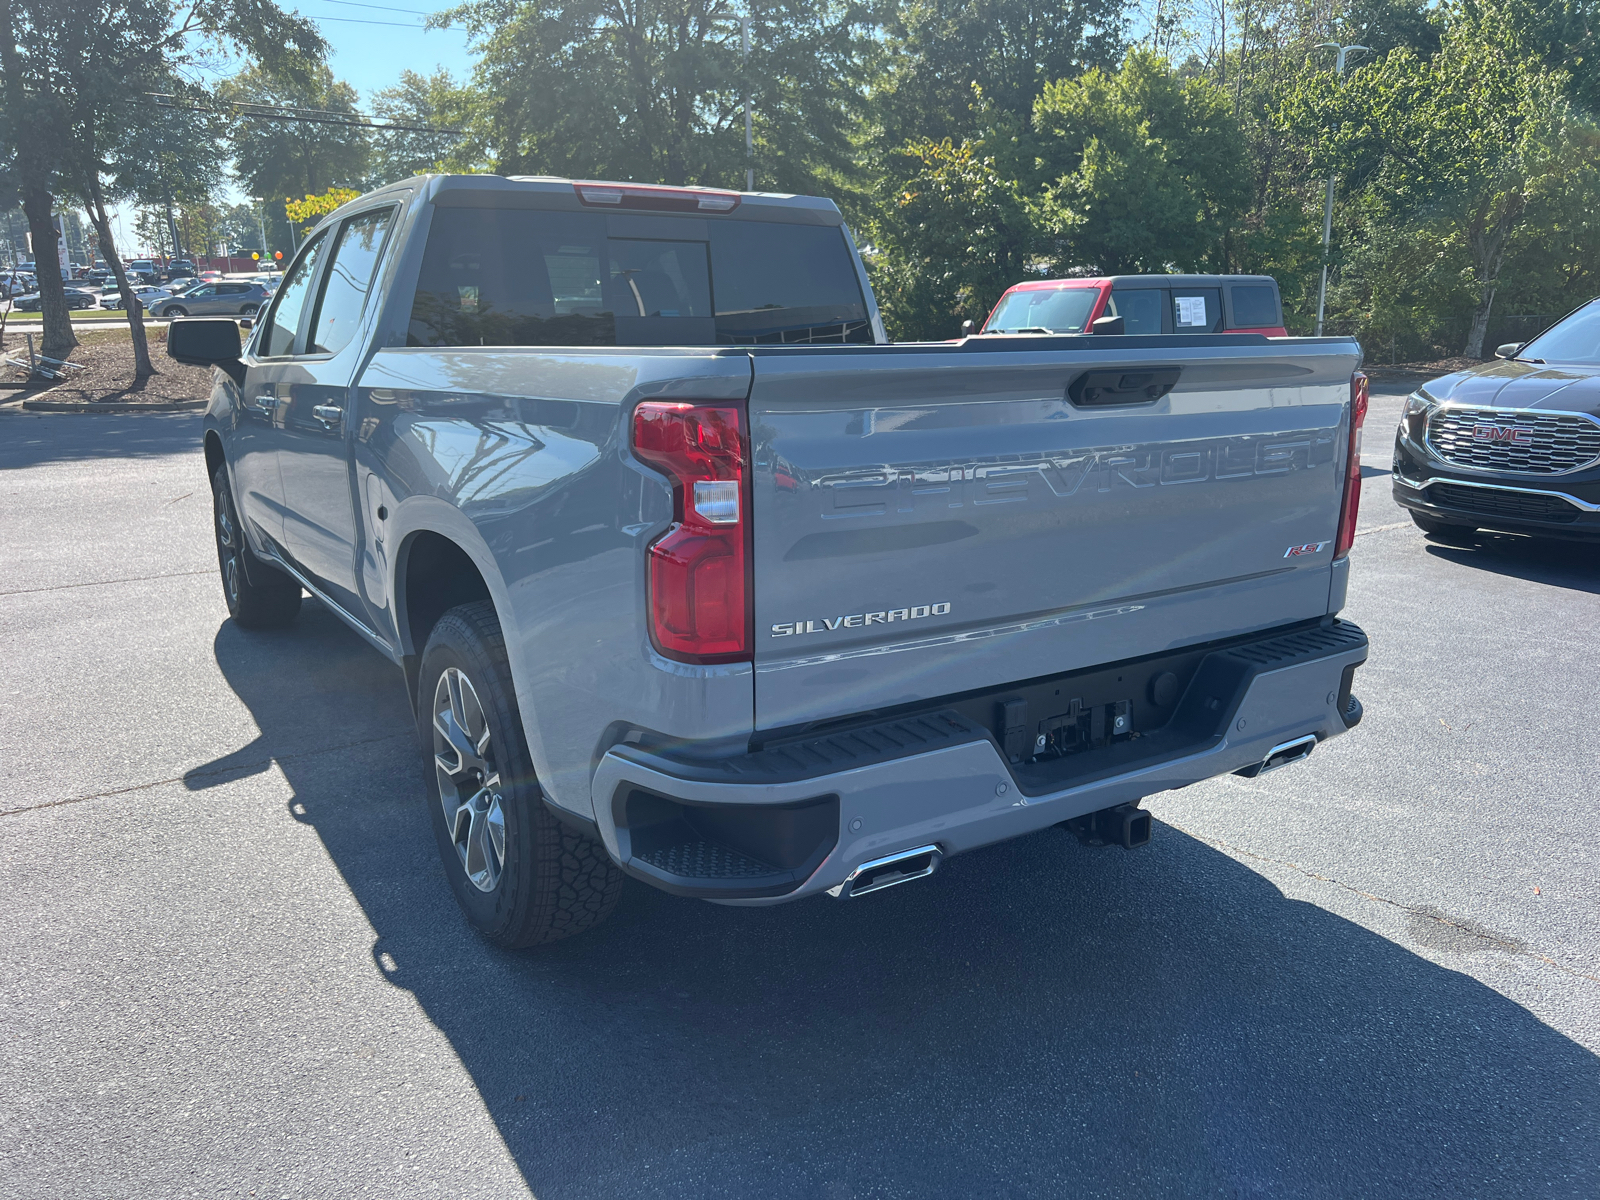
(372, 43)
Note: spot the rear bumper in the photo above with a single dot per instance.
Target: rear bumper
(814, 810)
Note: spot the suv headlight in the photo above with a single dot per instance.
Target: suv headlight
(1414, 419)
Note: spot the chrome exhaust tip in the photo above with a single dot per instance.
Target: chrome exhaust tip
(878, 873)
(1289, 752)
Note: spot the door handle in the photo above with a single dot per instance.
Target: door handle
(1125, 385)
(329, 414)
(266, 403)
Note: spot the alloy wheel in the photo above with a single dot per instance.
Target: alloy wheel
(469, 785)
(228, 547)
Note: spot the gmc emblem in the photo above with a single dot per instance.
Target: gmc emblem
(1502, 433)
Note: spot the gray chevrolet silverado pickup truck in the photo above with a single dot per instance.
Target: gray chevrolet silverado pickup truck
(695, 578)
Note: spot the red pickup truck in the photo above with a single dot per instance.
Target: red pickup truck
(1146, 304)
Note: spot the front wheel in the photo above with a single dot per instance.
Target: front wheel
(521, 876)
(1444, 531)
(174, 311)
(259, 596)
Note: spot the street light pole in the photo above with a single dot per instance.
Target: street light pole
(1327, 207)
(749, 136)
(261, 224)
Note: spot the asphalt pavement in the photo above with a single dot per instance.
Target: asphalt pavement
(230, 964)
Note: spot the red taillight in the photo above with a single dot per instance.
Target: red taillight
(699, 593)
(1352, 471)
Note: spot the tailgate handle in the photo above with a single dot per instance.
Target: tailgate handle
(1095, 389)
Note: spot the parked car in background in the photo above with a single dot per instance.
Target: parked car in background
(144, 270)
(210, 276)
(1145, 303)
(1513, 445)
(180, 268)
(77, 300)
(147, 296)
(212, 299)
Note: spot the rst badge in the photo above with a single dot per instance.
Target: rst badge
(888, 616)
(1485, 432)
(1308, 548)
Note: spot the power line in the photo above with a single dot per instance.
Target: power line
(380, 7)
(300, 117)
(392, 24)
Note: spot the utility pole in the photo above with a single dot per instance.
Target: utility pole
(261, 224)
(1327, 208)
(749, 135)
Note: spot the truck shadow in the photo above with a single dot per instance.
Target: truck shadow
(1571, 565)
(1038, 1019)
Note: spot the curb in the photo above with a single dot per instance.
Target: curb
(92, 406)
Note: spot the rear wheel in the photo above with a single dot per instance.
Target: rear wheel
(249, 310)
(520, 875)
(259, 596)
(1444, 531)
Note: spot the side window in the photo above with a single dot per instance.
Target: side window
(348, 281)
(1255, 306)
(1139, 308)
(1197, 310)
(291, 302)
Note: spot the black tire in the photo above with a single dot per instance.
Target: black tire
(176, 310)
(249, 310)
(259, 595)
(1443, 531)
(552, 881)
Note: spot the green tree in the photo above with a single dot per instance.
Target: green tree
(282, 159)
(1147, 170)
(1460, 150)
(651, 90)
(67, 71)
(424, 103)
(952, 66)
(949, 243)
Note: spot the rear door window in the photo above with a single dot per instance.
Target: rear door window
(1141, 309)
(518, 277)
(785, 283)
(1255, 306)
(1196, 310)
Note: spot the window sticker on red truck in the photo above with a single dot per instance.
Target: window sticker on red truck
(860, 620)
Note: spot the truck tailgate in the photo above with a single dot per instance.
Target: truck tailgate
(934, 519)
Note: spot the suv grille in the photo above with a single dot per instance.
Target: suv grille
(1518, 442)
(1503, 504)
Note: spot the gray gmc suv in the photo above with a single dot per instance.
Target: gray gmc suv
(693, 577)
(1513, 445)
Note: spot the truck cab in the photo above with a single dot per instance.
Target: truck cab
(1147, 304)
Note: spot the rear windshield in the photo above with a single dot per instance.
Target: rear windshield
(1055, 310)
(1574, 341)
(516, 277)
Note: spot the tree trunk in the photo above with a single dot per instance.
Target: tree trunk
(1480, 324)
(58, 339)
(142, 368)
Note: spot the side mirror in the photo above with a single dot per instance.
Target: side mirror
(1509, 349)
(966, 328)
(207, 342)
(1107, 325)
